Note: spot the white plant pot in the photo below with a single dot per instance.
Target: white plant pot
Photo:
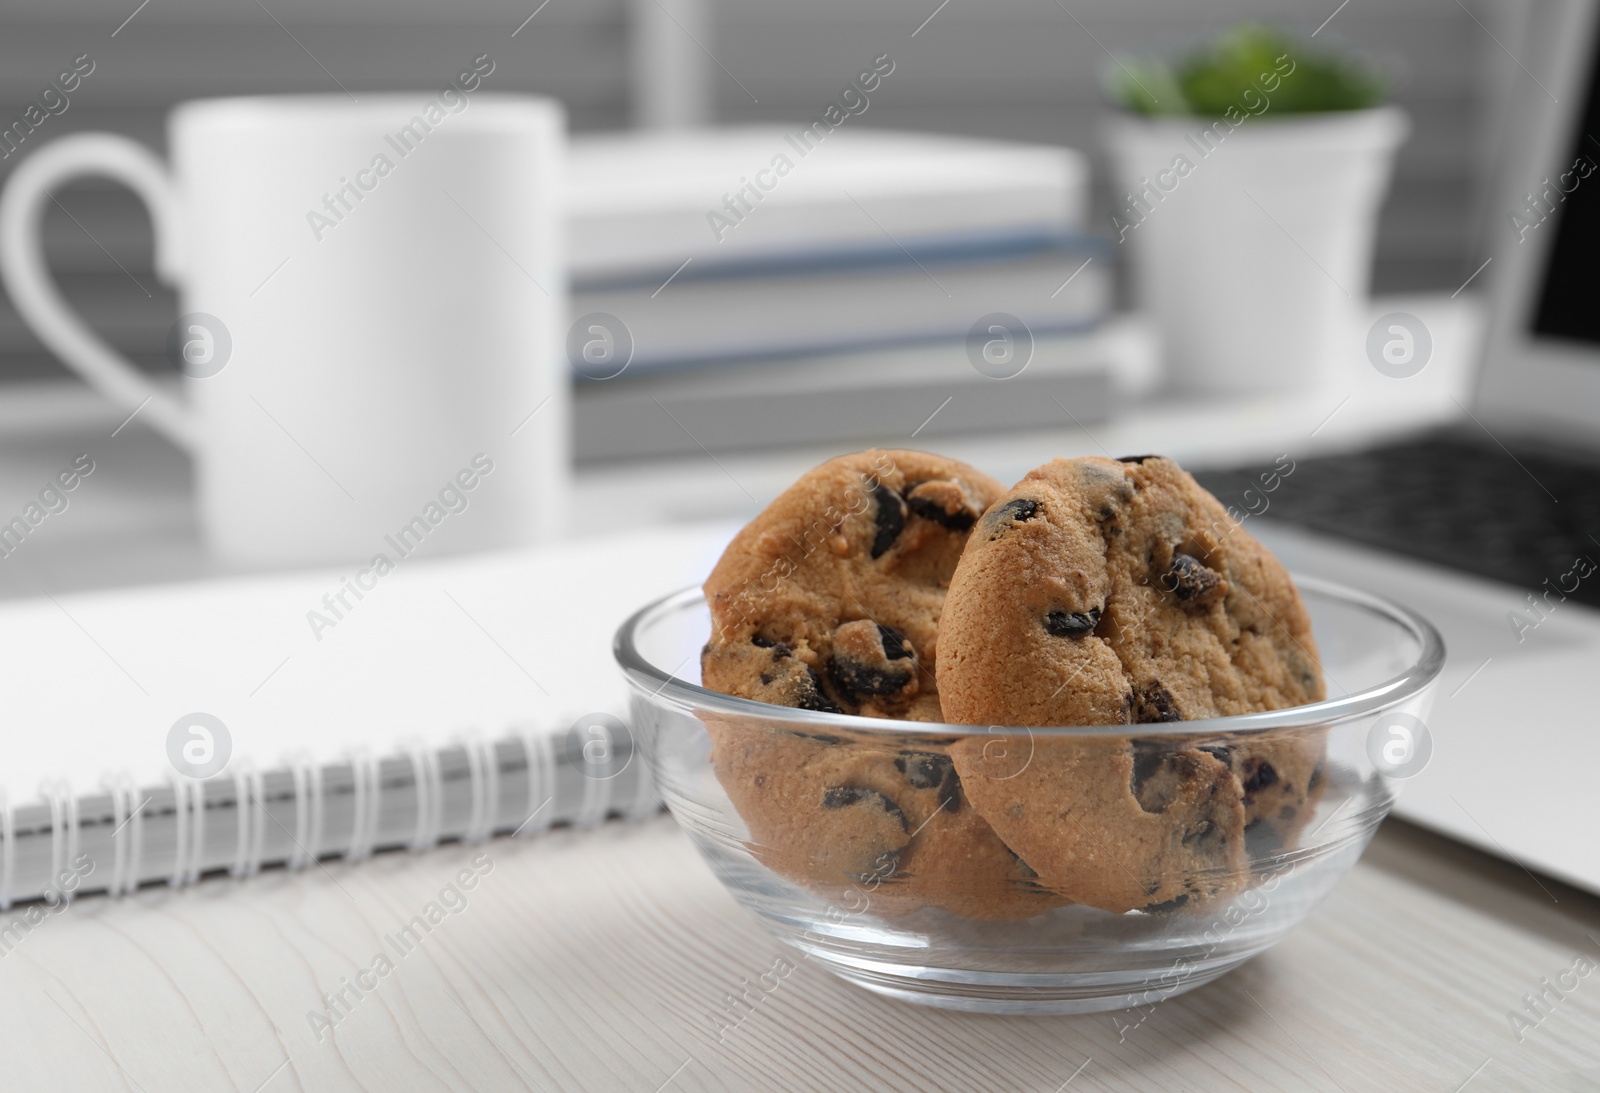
(1252, 249)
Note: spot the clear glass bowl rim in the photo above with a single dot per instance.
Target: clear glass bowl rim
(1393, 691)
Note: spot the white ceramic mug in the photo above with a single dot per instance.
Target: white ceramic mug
(372, 298)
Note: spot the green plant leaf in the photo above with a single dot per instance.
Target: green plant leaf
(1249, 70)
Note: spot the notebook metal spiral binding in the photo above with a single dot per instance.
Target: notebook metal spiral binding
(366, 777)
(246, 819)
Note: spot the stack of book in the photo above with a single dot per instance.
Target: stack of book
(758, 286)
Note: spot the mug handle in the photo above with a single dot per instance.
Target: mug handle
(33, 291)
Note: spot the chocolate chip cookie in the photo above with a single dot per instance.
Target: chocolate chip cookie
(1103, 592)
(830, 598)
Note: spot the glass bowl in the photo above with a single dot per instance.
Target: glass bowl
(837, 871)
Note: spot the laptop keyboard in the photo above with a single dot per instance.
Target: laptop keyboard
(1523, 517)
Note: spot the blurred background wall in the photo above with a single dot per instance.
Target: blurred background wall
(1021, 69)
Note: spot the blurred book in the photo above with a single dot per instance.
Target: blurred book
(865, 301)
(641, 204)
(922, 390)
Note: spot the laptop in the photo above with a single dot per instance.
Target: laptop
(1491, 527)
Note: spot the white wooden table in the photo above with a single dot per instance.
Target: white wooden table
(603, 959)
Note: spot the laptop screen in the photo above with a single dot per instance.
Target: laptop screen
(1566, 306)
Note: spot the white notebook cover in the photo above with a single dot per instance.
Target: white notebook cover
(95, 681)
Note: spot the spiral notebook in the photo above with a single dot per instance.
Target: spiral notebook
(440, 702)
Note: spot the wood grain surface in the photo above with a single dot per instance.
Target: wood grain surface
(603, 959)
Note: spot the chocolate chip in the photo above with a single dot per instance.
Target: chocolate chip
(780, 649)
(891, 518)
(840, 796)
(923, 769)
(927, 770)
(858, 681)
(809, 695)
(1260, 777)
(1154, 704)
(846, 796)
(1219, 752)
(895, 646)
(928, 510)
(1170, 905)
(1160, 771)
(1316, 777)
(1136, 458)
(934, 500)
(1015, 511)
(1192, 582)
(1072, 624)
(766, 679)
(870, 659)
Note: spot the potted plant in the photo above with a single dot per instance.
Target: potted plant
(1249, 176)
